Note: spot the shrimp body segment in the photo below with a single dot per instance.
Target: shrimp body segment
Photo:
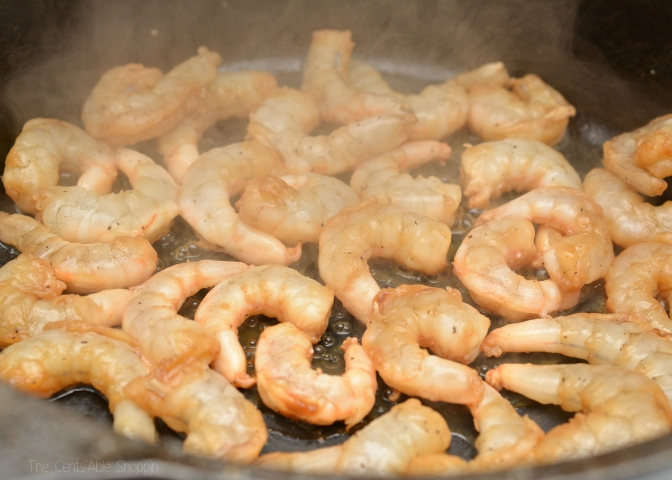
(381, 177)
(294, 208)
(204, 202)
(85, 268)
(289, 385)
(42, 147)
(272, 290)
(151, 314)
(80, 215)
(619, 407)
(410, 318)
(492, 168)
(192, 398)
(370, 230)
(132, 103)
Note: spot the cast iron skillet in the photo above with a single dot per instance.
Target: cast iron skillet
(608, 58)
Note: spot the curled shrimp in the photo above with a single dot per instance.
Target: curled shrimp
(619, 339)
(72, 352)
(639, 276)
(485, 264)
(288, 384)
(42, 147)
(192, 398)
(272, 290)
(493, 168)
(204, 201)
(619, 407)
(231, 94)
(85, 268)
(151, 314)
(629, 218)
(294, 208)
(286, 118)
(371, 230)
(407, 319)
(31, 298)
(79, 215)
(642, 157)
(525, 108)
(585, 253)
(381, 177)
(132, 103)
(419, 431)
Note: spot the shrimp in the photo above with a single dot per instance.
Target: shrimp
(31, 298)
(85, 268)
(641, 158)
(288, 384)
(585, 253)
(190, 397)
(151, 314)
(493, 168)
(526, 108)
(485, 264)
(380, 177)
(639, 276)
(373, 450)
(294, 208)
(490, 74)
(42, 147)
(286, 118)
(407, 319)
(272, 290)
(368, 230)
(79, 215)
(619, 407)
(132, 103)
(204, 202)
(325, 78)
(629, 218)
(72, 352)
(619, 339)
(231, 94)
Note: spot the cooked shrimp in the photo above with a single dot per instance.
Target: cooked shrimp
(585, 253)
(204, 201)
(639, 276)
(286, 118)
(192, 398)
(630, 219)
(288, 384)
(485, 264)
(42, 147)
(371, 230)
(294, 208)
(85, 268)
(490, 74)
(68, 353)
(132, 103)
(493, 168)
(231, 94)
(619, 407)
(79, 215)
(619, 339)
(151, 314)
(380, 177)
(410, 318)
(325, 78)
(642, 158)
(373, 450)
(525, 108)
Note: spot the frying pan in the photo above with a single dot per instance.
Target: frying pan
(609, 58)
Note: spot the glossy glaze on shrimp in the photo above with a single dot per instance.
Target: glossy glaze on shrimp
(371, 230)
(272, 290)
